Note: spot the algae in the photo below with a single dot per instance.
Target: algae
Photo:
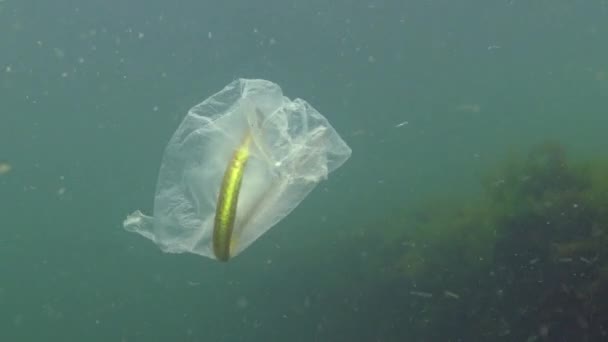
(524, 261)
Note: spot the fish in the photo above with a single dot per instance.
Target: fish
(228, 197)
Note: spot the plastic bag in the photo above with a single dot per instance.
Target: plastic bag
(239, 163)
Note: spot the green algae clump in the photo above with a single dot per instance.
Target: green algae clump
(526, 260)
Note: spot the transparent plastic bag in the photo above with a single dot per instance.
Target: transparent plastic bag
(240, 162)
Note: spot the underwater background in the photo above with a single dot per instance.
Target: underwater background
(474, 206)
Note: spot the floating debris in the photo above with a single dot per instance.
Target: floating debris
(469, 108)
(5, 168)
(421, 294)
(587, 261)
(401, 124)
(450, 294)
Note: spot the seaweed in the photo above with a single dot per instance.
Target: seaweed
(525, 261)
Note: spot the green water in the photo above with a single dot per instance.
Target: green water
(91, 91)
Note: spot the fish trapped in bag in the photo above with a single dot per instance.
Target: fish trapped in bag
(239, 162)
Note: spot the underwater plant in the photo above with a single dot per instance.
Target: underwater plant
(525, 261)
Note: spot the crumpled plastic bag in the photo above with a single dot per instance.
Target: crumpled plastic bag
(240, 162)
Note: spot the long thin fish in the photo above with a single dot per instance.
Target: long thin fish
(225, 213)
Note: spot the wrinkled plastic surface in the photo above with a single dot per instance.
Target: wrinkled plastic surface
(293, 148)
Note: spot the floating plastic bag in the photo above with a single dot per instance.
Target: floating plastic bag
(238, 164)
